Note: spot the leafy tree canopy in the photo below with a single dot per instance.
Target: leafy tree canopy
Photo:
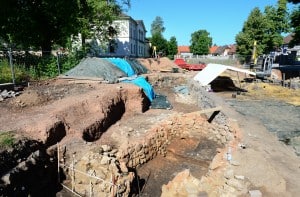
(157, 26)
(264, 28)
(43, 23)
(158, 41)
(200, 42)
(295, 23)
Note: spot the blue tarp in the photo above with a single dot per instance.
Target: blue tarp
(123, 65)
(142, 82)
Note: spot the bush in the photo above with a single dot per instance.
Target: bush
(6, 74)
(36, 67)
(7, 139)
(47, 66)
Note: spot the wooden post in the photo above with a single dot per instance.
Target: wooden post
(113, 186)
(239, 81)
(283, 79)
(91, 189)
(73, 173)
(11, 66)
(58, 160)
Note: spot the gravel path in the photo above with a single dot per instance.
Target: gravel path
(276, 116)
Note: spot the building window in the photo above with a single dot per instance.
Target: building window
(134, 48)
(112, 46)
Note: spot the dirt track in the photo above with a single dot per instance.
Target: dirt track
(278, 117)
(264, 157)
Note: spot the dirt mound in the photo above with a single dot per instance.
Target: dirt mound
(159, 65)
(59, 110)
(96, 67)
(44, 92)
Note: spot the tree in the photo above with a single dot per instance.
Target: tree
(253, 30)
(96, 18)
(294, 1)
(43, 23)
(157, 26)
(264, 28)
(200, 42)
(277, 23)
(38, 23)
(172, 47)
(295, 23)
(158, 41)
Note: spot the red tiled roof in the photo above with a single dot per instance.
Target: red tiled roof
(183, 49)
(213, 49)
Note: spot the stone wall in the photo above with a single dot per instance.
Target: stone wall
(107, 162)
(159, 137)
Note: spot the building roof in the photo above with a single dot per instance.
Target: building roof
(141, 22)
(183, 49)
(232, 49)
(124, 16)
(213, 49)
(220, 50)
(288, 39)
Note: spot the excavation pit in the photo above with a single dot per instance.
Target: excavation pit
(108, 132)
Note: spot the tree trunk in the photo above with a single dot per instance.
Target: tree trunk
(46, 48)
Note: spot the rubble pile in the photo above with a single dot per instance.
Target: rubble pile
(4, 94)
(99, 173)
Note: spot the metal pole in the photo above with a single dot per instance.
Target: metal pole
(11, 66)
(239, 80)
(57, 60)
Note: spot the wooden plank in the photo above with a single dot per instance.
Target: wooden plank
(215, 110)
(81, 78)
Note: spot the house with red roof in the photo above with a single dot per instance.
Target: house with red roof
(232, 50)
(184, 51)
(223, 50)
(213, 49)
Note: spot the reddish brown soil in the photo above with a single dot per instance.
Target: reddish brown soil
(78, 104)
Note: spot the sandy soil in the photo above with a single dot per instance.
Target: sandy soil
(265, 113)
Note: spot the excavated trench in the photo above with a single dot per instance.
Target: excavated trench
(113, 114)
(180, 139)
(183, 153)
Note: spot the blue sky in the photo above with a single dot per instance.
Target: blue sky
(222, 19)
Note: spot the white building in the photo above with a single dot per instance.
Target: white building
(131, 39)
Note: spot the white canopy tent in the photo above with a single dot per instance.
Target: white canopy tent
(212, 71)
